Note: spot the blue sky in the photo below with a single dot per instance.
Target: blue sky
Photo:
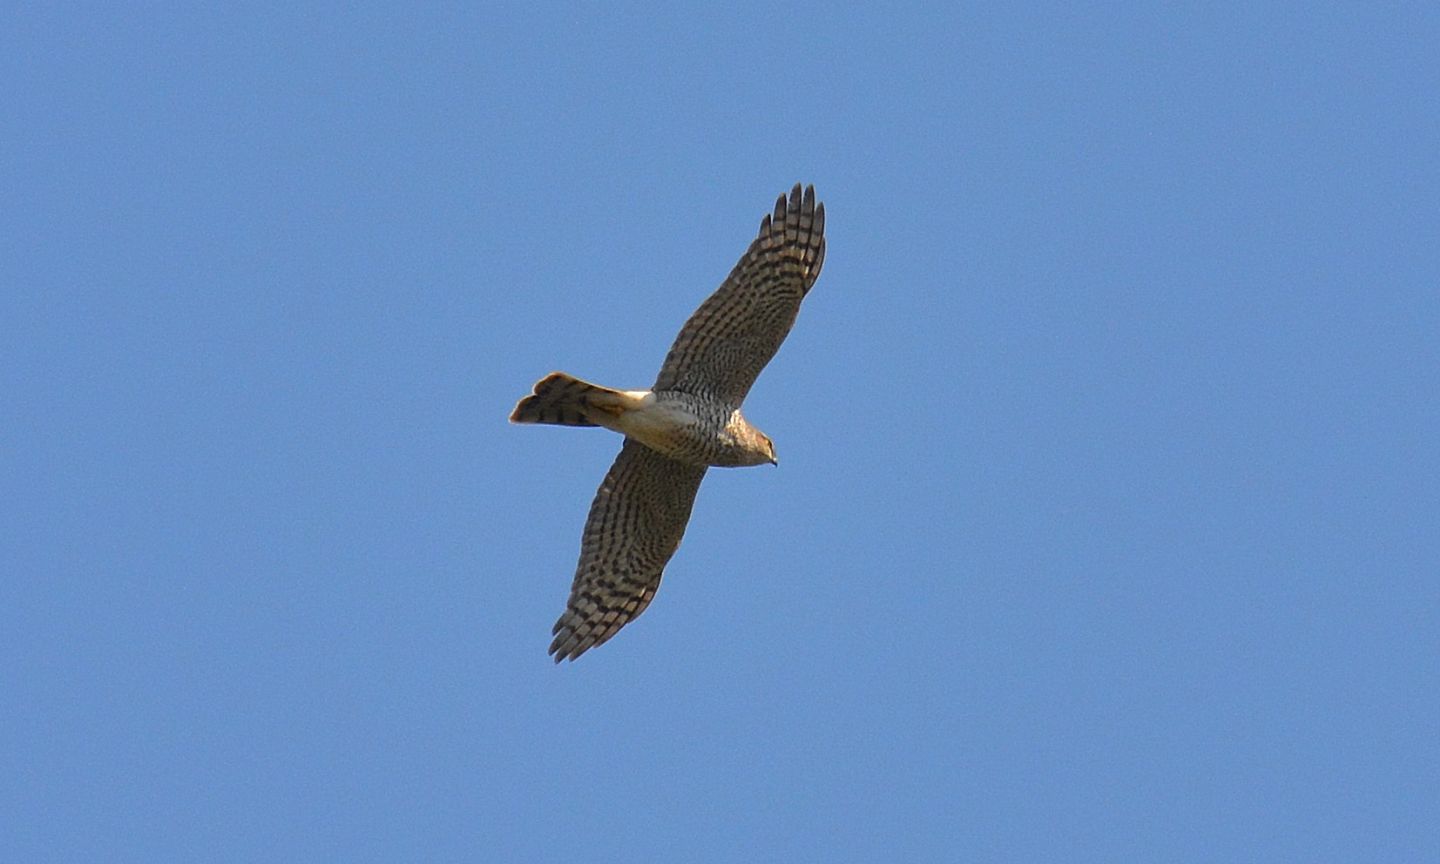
(1105, 527)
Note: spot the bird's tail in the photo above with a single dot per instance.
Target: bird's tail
(564, 400)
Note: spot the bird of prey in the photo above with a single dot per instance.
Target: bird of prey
(688, 421)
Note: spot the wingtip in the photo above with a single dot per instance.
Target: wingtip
(800, 198)
(560, 651)
(566, 652)
(567, 644)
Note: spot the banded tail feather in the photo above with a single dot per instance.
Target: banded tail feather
(560, 399)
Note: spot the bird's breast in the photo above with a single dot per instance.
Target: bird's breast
(679, 426)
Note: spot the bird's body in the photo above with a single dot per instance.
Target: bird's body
(687, 422)
(685, 427)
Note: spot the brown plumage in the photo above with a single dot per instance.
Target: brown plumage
(687, 422)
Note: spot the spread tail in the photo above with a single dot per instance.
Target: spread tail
(564, 400)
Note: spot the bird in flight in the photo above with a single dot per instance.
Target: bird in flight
(688, 421)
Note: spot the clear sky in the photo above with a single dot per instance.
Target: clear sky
(1105, 527)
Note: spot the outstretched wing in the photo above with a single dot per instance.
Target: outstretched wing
(722, 348)
(635, 525)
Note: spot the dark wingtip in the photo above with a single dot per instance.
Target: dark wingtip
(555, 651)
(566, 645)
